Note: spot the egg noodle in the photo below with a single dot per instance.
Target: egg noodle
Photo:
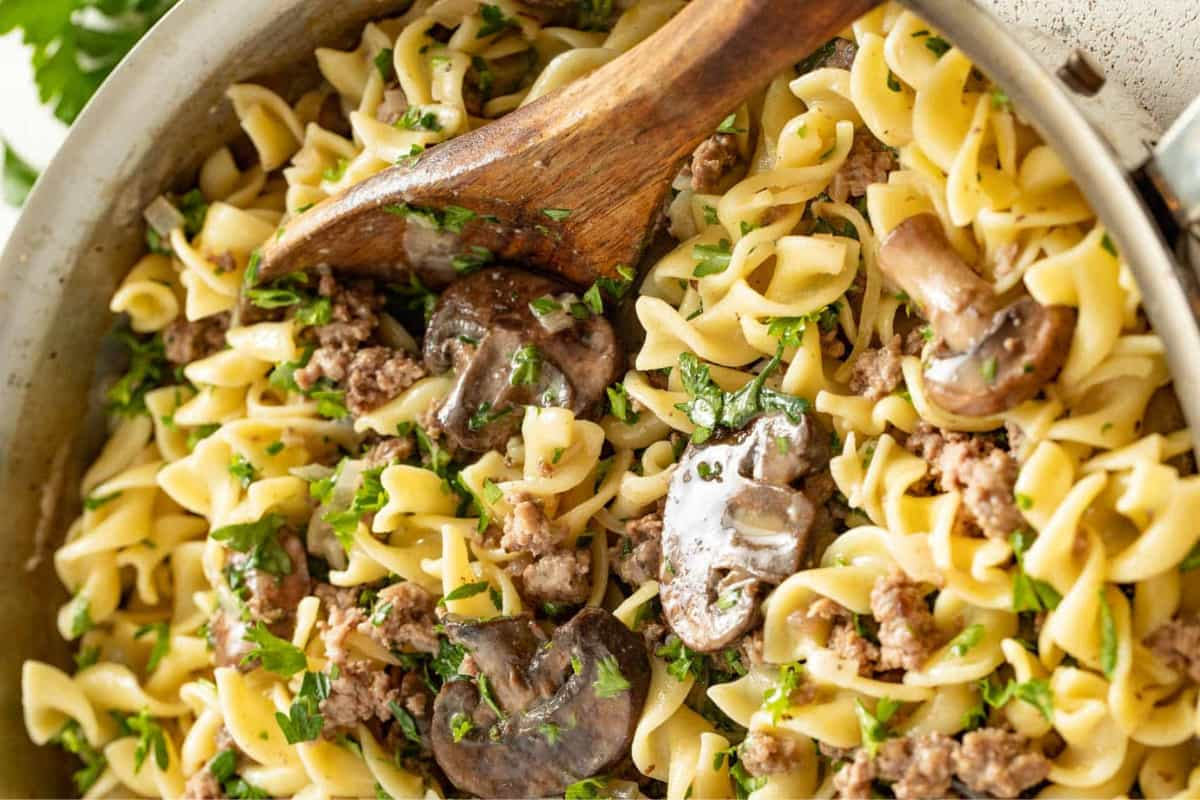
(1109, 520)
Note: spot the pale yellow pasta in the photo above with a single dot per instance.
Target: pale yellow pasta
(778, 271)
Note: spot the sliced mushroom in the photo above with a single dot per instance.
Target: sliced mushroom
(991, 353)
(734, 525)
(568, 707)
(480, 324)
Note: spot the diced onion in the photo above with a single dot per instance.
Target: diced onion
(163, 216)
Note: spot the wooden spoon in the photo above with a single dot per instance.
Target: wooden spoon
(605, 148)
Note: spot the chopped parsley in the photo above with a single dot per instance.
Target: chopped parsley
(147, 369)
(18, 177)
(485, 415)
(150, 740)
(526, 366)
(465, 591)
(1107, 244)
(276, 655)
(937, 45)
(893, 83)
(369, 497)
(790, 330)
(494, 21)
(303, 722)
(260, 541)
(557, 214)
(711, 259)
(408, 725)
(72, 739)
(473, 260)
(729, 125)
(385, 63)
(619, 404)
(682, 661)
(1029, 593)
(417, 119)
(1000, 100)
(162, 642)
(1108, 637)
(971, 636)
(460, 726)
(94, 502)
(586, 789)
(1036, 692)
(243, 470)
(81, 617)
(873, 725)
(778, 698)
(337, 171)
(988, 370)
(609, 680)
(709, 407)
(708, 472)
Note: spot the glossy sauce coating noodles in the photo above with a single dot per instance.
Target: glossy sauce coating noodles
(957, 556)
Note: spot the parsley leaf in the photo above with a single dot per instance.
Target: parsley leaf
(711, 259)
(385, 63)
(1029, 593)
(147, 368)
(81, 617)
(586, 789)
(619, 404)
(1108, 637)
(1036, 692)
(162, 642)
(778, 698)
(485, 415)
(303, 722)
(526, 366)
(243, 470)
(19, 177)
(609, 681)
(460, 726)
(971, 636)
(557, 214)
(96, 501)
(729, 125)
(466, 590)
(681, 660)
(276, 655)
(74, 51)
(874, 725)
(72, 739)
(494, 21)
(938, 45)
(150, 740)
(260, 541)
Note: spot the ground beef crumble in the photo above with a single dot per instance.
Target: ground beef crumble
(527, 528)
(907, 634)
(990, 761)
(844, 639)
(999, 763)
(714, 161)
(1177, 644)
(877, 373)
(372, 376)
(636, 556)
(974, 465)
(766, 753)
(547, 569)
(186, 341)
(563, 576)
(361, 692)
(869, 161)
(409, 621)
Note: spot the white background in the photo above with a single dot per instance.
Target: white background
(1151, 46)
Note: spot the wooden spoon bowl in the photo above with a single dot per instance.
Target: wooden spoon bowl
(604, 148)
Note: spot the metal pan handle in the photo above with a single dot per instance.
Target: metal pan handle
(1175, 169)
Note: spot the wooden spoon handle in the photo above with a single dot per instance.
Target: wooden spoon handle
(603, 150)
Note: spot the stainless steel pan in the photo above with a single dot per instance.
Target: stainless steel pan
(163, 109)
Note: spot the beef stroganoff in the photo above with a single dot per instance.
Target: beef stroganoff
(895, 497)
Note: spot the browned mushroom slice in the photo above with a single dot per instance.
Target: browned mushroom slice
(733, 526)
(540, 716)
(991, 354)
(506, 357)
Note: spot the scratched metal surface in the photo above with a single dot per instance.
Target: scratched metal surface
(1151, 46)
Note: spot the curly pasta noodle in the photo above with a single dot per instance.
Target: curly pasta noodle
(1068, 612)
